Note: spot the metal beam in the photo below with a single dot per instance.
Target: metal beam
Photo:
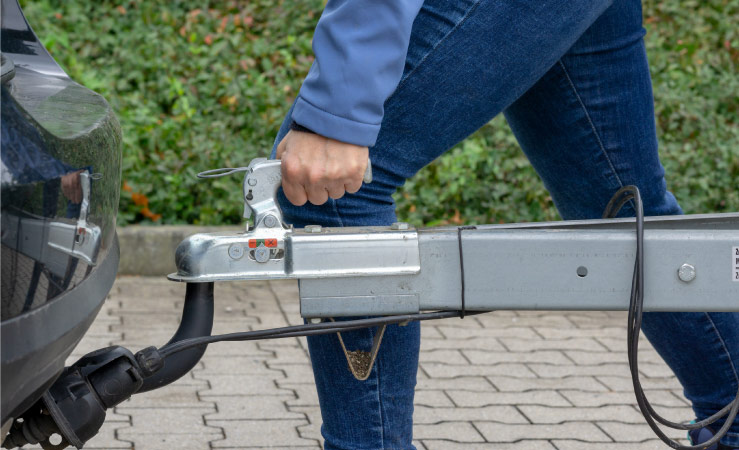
(583, 265)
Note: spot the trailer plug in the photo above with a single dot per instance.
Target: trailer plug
(74, 407)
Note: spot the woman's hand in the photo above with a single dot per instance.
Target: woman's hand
(315, 168)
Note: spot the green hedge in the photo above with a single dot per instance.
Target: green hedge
(196, 89)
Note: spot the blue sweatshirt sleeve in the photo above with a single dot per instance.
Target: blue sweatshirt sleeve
(360, 48)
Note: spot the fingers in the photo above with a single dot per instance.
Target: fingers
(316, 168)
(295, 193)
(292, 184)
(282, 145)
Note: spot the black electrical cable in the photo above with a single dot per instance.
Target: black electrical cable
(461, 267)
(305, 330)
(636, 308)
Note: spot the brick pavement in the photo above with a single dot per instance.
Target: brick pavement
(504, 380)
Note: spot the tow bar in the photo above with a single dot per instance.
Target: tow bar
(399, 274)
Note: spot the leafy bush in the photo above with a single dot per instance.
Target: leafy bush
(203, 88)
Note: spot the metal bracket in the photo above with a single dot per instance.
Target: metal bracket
(361, 362)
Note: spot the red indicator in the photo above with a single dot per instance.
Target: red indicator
(270, 242)
(252, 243)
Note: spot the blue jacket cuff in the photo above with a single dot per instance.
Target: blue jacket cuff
(333, 126)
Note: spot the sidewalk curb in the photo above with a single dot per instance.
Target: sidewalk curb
(149, 250)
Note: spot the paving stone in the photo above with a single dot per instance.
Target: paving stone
(268, 319)
(583, 431)
(430, 415)
(241, 385)
(492, 332)
(530, 345)
(601, 357)
(170, 302)
(110, 436)
(311, 430)
(191, 379)
(174, 441)
(277, 344)
(301, 394)
(548, 414)
(112, 415)
(622, 432)
(294, 373)
(515, 384)
(484, 344)
(292, 447)
(432, 399)
(521, 445)
(285, 289)
(261, 433)
(175, 420)
(621, 384)
(430, 332)
(443, 356)
(655, 370)
(576, 445)
(459, 384)
(593, 319)
(233, 321)
(437, 370)
(467, 322)
(253, 407)
(555, 371)
(287, 355)
(453, 431)
(245, 348)
(101, 328)
(618, 343)
(613, 334)
(237, 365)
(477, 399)
(134, 321)
(557, 320)
(589, 399)
(489, 358)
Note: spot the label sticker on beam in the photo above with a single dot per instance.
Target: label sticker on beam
(269, 242)
(735, 264)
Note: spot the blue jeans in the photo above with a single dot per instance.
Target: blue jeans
(572, 79)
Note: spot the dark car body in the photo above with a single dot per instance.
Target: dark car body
(60, 184)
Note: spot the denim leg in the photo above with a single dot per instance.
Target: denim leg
(588, 128)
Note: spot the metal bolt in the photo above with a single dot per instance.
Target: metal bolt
(270, 221)
(261, 254)
(400, 226)
(313, 228)
(236, 251)
(686, 273)
(315, 320)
